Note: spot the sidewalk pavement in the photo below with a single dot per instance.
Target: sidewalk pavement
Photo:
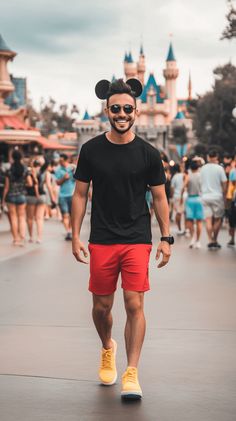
(49, 349)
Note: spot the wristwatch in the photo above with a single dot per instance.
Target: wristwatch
(170, 239)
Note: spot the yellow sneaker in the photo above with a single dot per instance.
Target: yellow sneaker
(107, 370)
(130, 386)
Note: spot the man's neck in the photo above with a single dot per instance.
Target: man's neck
(120, 138)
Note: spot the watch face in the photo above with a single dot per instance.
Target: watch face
(172, 240)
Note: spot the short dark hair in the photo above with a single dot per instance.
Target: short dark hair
(16, 155)
(64, 156)
(119, 87)
(227, 155)
(176, 168)
(193, 165)
(213, 153)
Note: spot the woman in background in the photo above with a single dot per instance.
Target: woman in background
(14, 195)
(36, 202)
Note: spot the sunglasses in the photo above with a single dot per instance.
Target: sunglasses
(127, 108)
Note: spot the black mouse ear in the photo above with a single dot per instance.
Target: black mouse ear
(101, 88)
(136, 86)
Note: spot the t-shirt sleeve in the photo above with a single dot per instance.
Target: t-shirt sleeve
(58, 174)
(156, 173)
(223, 176)
(83, 171)
(232, 175)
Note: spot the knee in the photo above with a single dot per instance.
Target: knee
(101, 310)
(133, 308)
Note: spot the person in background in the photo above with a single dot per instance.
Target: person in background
(65, 179)
(2, 181)
(213, 186)
(46, 171)
(227, 165)
(177, 183)
(193, 204)
(36, 202)
(14, 195)
(231, 198)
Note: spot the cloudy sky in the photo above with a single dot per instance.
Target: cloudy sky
(65, 47)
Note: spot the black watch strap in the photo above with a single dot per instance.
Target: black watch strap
(169, 239)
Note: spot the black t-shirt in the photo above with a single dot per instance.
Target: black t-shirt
(120, 175)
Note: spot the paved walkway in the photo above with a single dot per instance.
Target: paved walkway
(49, 349)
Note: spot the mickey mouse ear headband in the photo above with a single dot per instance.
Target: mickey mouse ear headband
(103, 86)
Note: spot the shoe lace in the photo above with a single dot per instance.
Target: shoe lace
(107, 359)
(131, 375)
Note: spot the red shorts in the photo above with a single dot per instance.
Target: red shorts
(107, 261)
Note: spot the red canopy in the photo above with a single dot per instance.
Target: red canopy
(12, 122)
(48, 144)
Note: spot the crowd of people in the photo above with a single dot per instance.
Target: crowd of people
(203, 190)
(32, 190)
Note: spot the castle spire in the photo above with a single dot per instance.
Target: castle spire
(170, 55)
(141, 50)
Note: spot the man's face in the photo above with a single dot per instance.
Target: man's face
(62, 162)
(121, 121)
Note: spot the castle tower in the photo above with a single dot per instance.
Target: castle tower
(190, 87)
(130, 68)
(171, 73)
(141, 66)
(6, 86)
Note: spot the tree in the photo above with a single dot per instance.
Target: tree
(213, 120)
(230, 30)
(49, 120)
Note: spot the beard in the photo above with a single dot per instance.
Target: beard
(121, 131)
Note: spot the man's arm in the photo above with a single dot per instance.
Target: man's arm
(62, 180)
(79, 202)
(161, 209)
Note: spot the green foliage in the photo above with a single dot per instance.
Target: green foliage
(49, 120)
(213, 120)
(230, 30)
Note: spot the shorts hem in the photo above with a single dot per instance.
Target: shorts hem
(101, 293)
(136, 290)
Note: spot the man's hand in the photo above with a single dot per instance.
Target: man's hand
(66, 176)
(77, 249)
(165, 250)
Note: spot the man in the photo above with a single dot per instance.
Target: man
(231, 197)
(121, 166)
(64, 179)
(176, 185)
(213, 186)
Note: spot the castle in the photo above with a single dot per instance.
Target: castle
(159, 108)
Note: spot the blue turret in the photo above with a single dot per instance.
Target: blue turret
(170, 56)
(180, 115)
(126, 57)
(86, 116)
(130, 58)
(3, 45)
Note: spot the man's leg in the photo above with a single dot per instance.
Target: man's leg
(135, 326)
(209, 228)
(199, 229)
(102, 317)
(216, 228)
(178, 220)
